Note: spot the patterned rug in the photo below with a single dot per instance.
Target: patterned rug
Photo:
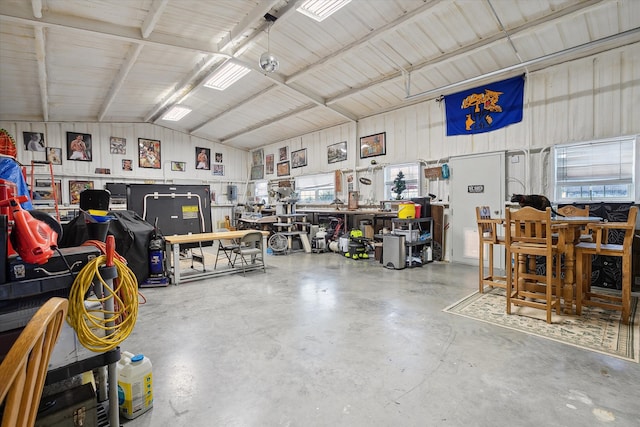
(597, 329)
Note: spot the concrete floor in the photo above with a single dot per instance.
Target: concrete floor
(321, 340)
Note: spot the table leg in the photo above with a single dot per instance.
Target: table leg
(569, 277)
(176, 263)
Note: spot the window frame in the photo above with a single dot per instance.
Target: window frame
(409, 193)
(326, 184)
(593, 179)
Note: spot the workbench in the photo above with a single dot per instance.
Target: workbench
(173, 253)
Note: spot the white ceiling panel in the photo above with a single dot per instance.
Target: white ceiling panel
(130, 61)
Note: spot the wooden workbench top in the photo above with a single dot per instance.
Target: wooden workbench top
(205, 237)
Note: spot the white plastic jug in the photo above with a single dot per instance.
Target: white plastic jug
(135, 384)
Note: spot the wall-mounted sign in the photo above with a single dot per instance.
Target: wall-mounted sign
(433, 173)
(475, 188)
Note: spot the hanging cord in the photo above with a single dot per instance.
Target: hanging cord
(87, 315)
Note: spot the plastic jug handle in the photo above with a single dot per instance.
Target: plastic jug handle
(126, 355)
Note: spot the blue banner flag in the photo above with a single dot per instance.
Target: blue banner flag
(485, 108)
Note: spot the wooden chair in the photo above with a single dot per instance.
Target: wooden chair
(601, 247)
(488, 236)
(528, 234)
(24, 369)
(250, 251)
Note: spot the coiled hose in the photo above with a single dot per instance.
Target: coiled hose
(87, 314)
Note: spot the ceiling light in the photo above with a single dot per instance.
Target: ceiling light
(176, 113)
(321, 9)
(226, 75)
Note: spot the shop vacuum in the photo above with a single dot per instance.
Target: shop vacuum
(157, 274)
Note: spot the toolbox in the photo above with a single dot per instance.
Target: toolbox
(73, 407)
(76, 257)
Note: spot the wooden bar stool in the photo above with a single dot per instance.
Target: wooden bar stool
(601, 247)
(488, 236)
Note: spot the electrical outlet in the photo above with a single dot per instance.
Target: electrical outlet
(515, 159)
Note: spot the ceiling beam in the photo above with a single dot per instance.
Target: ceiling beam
(36, 6)
(118, 82)
(465, 50)
(41, 58)
(237, 34)
(267, 122)
(155, 12)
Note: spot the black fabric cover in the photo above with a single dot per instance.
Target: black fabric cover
(132, 235)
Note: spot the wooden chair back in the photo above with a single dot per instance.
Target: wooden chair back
(488, 236)
(24, 369)
(528, 226)
(487, 227)
(571, 210)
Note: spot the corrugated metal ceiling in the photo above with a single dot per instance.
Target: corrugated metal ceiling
(129, 61)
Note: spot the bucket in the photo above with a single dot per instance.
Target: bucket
(135, 385)
(407, 210)
(418, 210)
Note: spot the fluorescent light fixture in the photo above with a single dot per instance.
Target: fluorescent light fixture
(176, 113)
(321, 9)
(226, 75)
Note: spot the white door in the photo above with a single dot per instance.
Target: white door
(476, 180)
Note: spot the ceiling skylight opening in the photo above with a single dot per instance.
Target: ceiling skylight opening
(226, 75)
(175, 113)
(321, 9)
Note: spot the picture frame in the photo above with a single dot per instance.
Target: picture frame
(149, 153)
(117, 145)
(337, 152)
(373, 145)
(283, 153)
(75, 188)
(79, 146)
(33, 141)
(299, 158)
(257, 157)
(178, 166)
(203, 158)
(54, 155)
(270, 161)
(218, 170)
(257, 172)
(48, 195)
(283, 168)
(127, 164)
(218, 157)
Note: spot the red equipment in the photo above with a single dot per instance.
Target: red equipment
(34, 240)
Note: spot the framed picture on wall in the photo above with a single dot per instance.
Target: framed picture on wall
(283, 152)
(127, 164)
(77, 187)
(49, 194)
(33, 141)
(283, 169)
(203, 158)
(270, 163)
(54, 155)
(218, 170)
(79, 146)
(149, 153)
(218, 157)
(178, 166)
(299, 158)
(257, 157)
(337, 152)
(257, 172)
(117, 145)
(373, 145)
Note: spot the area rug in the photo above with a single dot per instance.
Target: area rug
(596, 329)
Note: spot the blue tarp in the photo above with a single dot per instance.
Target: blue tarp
(11, 171)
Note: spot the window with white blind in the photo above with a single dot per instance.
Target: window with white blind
(315, 189)
(411, 173)
(596, 171)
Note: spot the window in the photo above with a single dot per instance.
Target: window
(261, 191)
(318, 189)
(596, 170)
(411, 173)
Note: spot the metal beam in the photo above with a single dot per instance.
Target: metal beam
(41, 58)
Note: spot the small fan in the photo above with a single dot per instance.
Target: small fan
(278, 242)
